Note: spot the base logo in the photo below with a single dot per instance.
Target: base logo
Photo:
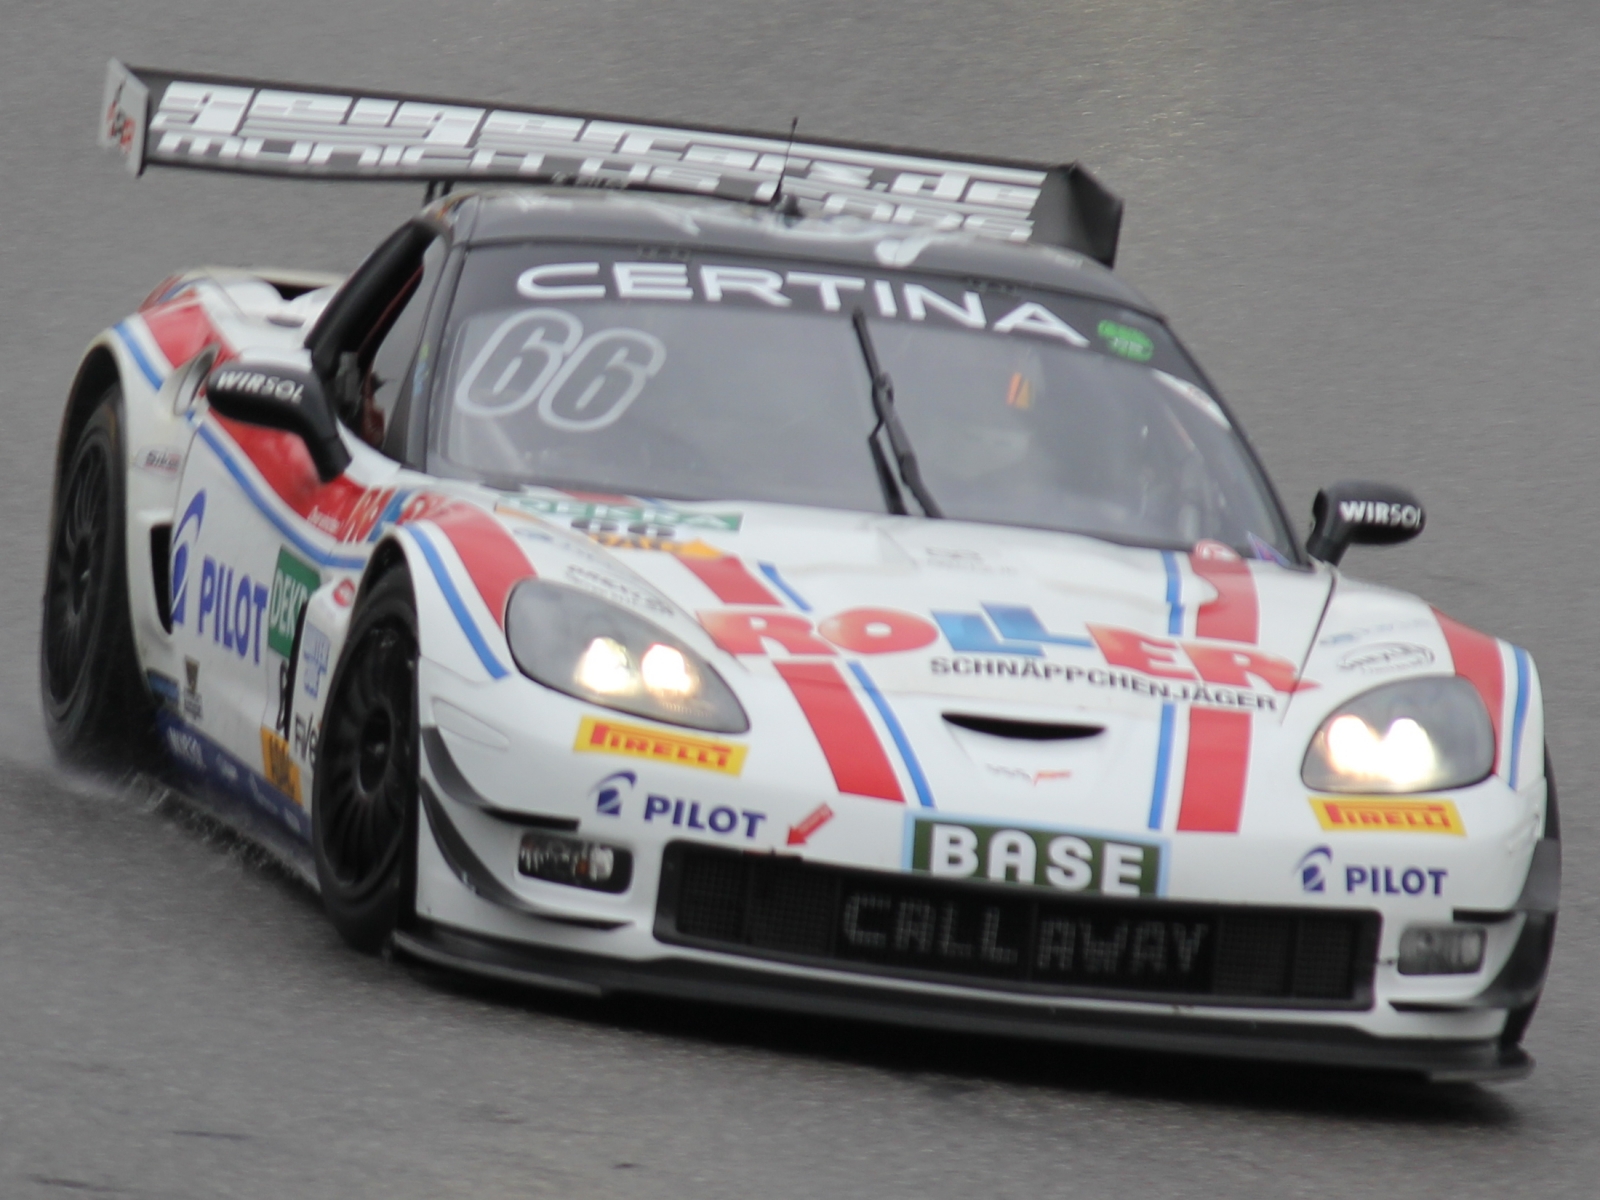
(1370, 814)
(1068, 862)
(635, 741)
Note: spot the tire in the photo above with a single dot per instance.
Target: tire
(97, 708)
(364, 802)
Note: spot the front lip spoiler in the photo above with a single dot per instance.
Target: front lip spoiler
(1283, 1042)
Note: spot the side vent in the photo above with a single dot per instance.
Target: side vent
(1022, 731)
(160, 559)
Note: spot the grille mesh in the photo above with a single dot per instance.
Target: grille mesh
(1019, 937)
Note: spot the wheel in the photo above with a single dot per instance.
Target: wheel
(97, 709)
(364, 801)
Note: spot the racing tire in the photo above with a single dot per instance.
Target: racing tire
(364, 799)
(97, 709)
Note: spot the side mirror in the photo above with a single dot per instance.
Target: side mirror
(281, 393)
(1366, 514)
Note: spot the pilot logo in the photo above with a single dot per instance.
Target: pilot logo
(183, 542)
(611, 791)
(1311, 869)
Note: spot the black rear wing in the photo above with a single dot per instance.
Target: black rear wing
(161, 119)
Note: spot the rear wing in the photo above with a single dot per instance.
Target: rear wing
(160, 119)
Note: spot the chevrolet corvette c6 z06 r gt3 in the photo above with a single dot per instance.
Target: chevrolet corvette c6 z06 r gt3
(795, 574)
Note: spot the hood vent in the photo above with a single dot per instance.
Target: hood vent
(1022, 731)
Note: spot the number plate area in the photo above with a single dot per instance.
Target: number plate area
(1014, 938)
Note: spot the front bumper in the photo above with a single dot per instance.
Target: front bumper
(1481, 1060)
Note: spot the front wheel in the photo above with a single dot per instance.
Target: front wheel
(97, 710)
(364, 803)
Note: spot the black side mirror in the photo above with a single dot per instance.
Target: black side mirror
(281, 394)
(1365, 514)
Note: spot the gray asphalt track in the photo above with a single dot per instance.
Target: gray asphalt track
(1376, 225)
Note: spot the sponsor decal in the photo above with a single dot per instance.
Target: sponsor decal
(259, 383)
(1316, 868)
(1101, 677)
(1069, 862)
(1126, 341)
(1010, 641)
(611, 793)
(164, 688)
(293, 581)
(307, 734)
(316, 649)
(618, 591)
(159, 460)
(1386, 656)
(193, 706)
(604, 736)
(624, 516)
(234, 603)
(1033, 777)
(1377, 512)
(184, 538)
(1382, 815)
(345, 594)
(186, 747)
(800, 832)
(241, 126)
(721, 819)
(278, 766)
(1313, 869)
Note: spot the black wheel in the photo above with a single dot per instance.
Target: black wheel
(364, 803)
(97, 709)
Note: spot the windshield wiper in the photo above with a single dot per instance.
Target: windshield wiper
(889, 425)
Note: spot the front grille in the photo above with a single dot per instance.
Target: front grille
(1021, 939)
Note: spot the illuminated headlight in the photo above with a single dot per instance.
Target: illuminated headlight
(557, 859)
(1441, 950)
(1417, 735)
(592, 649)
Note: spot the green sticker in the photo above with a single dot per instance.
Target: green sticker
(1051, 858)
(1126, 341)
(292, 585)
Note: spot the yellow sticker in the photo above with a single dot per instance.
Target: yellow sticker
(1373, 814)
(638, 541)
(634, 741)
(281, 770)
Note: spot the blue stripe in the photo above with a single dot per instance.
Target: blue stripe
(155, 377)
(1520, 714)
(1174, 592)
(290, 533)
(1158, 794)
(452, 597)
(913, 768)
(771, 572)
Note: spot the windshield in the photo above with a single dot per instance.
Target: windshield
(714, 378)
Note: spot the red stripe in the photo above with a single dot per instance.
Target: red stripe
(1477, 659)
(1232, 616)
(490, 554)
(729, 580)
(1214, 776)
(182, 330)
(1217, 764)
(847, 738)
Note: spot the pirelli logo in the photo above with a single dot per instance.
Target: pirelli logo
(635, 741)
(1380, 815)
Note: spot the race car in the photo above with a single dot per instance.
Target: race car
(783, 573)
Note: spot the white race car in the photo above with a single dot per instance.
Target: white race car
(797, 574)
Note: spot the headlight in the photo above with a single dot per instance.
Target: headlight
(592, 649)
(1417, 735)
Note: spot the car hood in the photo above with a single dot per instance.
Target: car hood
(1025, 617)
